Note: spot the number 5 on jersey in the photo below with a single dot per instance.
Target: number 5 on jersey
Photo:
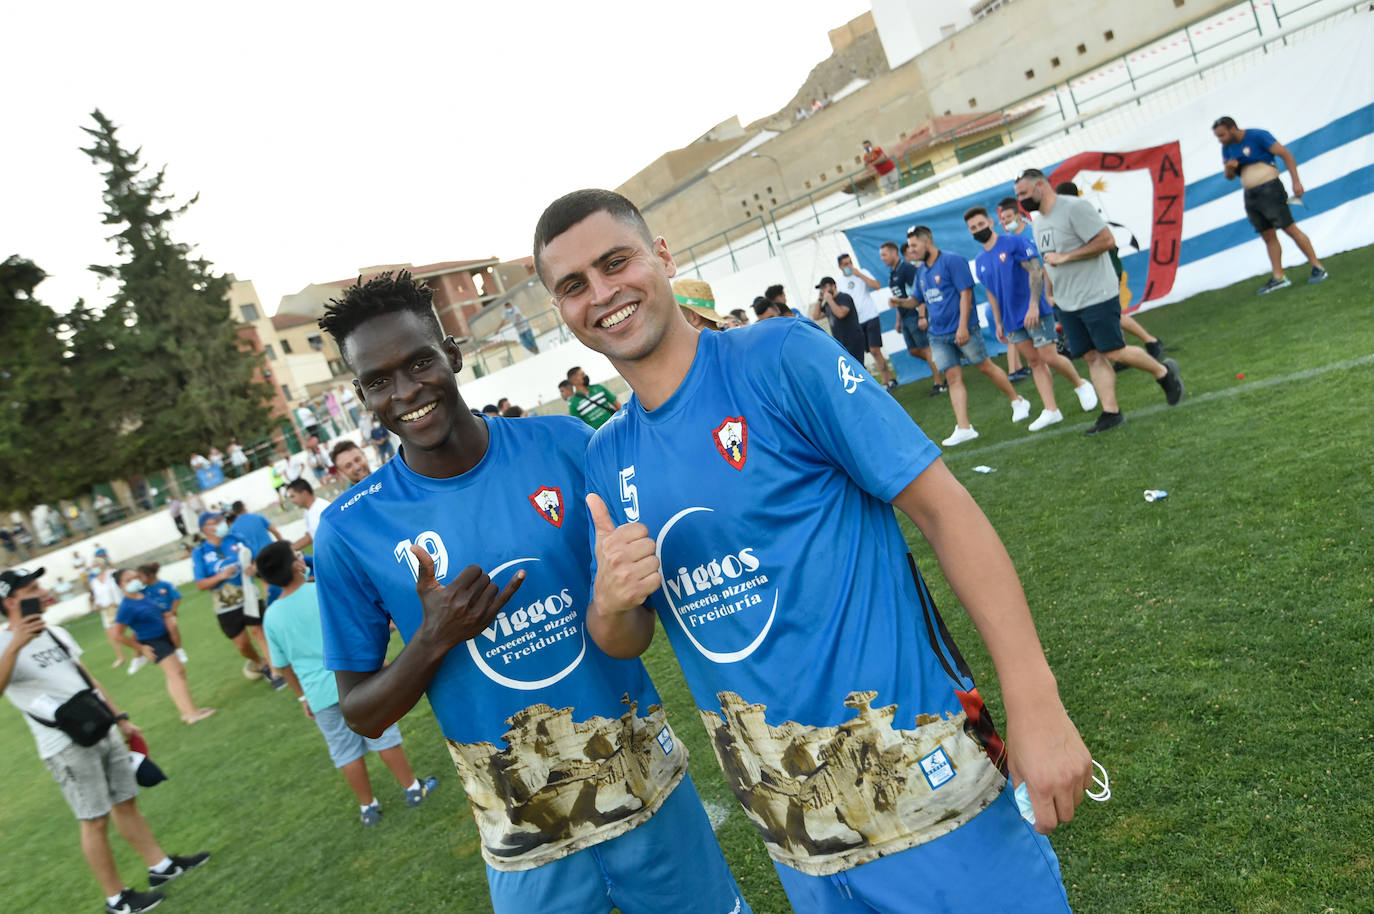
(629, 494)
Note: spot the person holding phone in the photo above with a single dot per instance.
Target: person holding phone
(40, 671)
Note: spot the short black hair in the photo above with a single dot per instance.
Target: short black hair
(974, 211)
(340, 447)
(513, 412)
(841, 259)
(490, 409)
(920, 231)
(1224, 121)
(1009, 203)
(564, 383)
(274, 563)
(741, 315)
(772, 292)
(572, 371)
(385, 293)
(888, 244)
(761, 305)
(570, 209)
(904, 248)
(1031, 174)
(237, 508)
(1067, 188)
(300, 485)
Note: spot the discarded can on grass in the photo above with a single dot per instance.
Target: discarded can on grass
(1153, 495)
(984, 469)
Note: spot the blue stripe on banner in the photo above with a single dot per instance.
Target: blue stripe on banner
(1337, 133)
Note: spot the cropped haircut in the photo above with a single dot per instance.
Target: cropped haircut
(1010, 203)
(300, 485)
(1032, 175)
(1223, 121)
(385, 293)
(274, 563)
(570, 209)
(975, 211)
(340, 447)
(572, 372)
(1066, 189)
(149, 568)
(772, 292)
(762, 305)
(889, 244)
(920, 231)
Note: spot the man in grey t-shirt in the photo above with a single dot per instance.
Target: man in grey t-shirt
(1083, 287)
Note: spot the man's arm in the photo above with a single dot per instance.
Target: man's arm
(1291, 163)
(373, 701)
(840, 311)
(1037, 288)
(169, 619)
(301, 543)
(1098, 244)
(996, 311)
(867, 280)
(962, 334)
(1044, 748)
(29, 627)
(817, 310)
(212, 580)
(276, 534)
(627, 572)
(1231, 168)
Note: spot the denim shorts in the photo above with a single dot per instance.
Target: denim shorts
(947, 353)
(345, 746)
(1044, 333)
(912, 334)
(1096, 327)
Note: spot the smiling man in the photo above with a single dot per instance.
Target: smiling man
(475, 543)
(847, 725)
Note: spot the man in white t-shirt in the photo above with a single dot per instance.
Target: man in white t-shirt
(302, 495)
(39, 672)
(857, 285)
(105, 598)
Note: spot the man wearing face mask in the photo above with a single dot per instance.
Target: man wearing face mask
(1074, 240)
(217, 569)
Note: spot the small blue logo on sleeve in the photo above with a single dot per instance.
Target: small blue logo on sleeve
(937, 768)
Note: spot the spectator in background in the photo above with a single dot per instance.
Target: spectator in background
(216, 568)
(956, 332)
(764, 309)
(491, 409)
(165, 595)
(349, 401)
(302, 495)
(698, 303)
(778, 296)
(502, 405)
(598, 394)
(857, 284)
(238, 460)
(889, 175)
(1250, 155)
(838, 308)
(152, 641)
(1129, 324)
(351, 461)
(740, 315)
(331, 404)
(216, 457)
(730, 321)
(513, 412)
(381, 440)
(583, 407)
(317, 456)
(511, 315)
(198, 462)
(104, 599)
(305, 418)
(911, 310)
(1073, 240)
(1009, 269)
(174, 507)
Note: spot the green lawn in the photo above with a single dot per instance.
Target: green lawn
(1212, 648)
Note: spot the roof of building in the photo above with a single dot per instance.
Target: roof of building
(946, 126)
(285, 321)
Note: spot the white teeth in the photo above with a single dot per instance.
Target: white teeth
(612, 319)
(419, 413)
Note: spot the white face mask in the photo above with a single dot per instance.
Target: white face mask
(222, 529)
(133, 586)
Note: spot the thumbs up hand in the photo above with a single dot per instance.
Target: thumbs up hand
(627, 570)
(456, 612)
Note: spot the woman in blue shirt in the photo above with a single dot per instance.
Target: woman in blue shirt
(166, 596)
(152, 626)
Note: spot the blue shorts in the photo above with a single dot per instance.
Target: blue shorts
(669, 863)
(1096, 327)
(994, 862)
(947, 353)
(345, 746)
(1043, 335)
(912, 334)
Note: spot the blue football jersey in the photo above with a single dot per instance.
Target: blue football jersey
(208, 560)
(1001, 273)
(940, 285)
(559, 745)
(835, 704)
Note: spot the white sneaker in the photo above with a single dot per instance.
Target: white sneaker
(137, 664)
(1087, 396)
(1047, 418)
(181, 655)
(1020, 409)
(960, 436)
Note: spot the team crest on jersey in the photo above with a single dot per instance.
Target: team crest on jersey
(937, 279)
(548, 501)
(1002, 256)
(732, 440)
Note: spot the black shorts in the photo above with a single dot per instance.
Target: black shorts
(1096, 327)
(1267, 206)
(233, 621)
(873, 333)
(162, 647)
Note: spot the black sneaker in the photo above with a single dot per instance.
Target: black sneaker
(180, 865)
(891, 385)
(1172, 383)
(131, 902)
(1156, 350)
(1318, 274)
(1019, 374)
(276, 682)
(937, 389)
(1106, 422)
(1119, 367)
(1273, 285)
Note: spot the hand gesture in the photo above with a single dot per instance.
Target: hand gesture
(28, 628)
(457, 612)
(1048, 754)
(627, 569)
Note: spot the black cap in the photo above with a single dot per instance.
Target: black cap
(826, 281)
(15, 578)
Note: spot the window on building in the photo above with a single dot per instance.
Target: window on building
(336, 367)
(1108, 35)
(286, 392)
(1082, 49)
(973, 103)
(1030, 74)
(924, 170)
(1054, 61)
(249, 312)
(271, 353)
(286, 347)
(973, 150)
(315, 341)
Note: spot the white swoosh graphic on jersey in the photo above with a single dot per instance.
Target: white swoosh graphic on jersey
(506, 681)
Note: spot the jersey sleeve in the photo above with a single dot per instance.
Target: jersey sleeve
(1024, 250)
(960, 274)
(198, 567)
(1262, 138)
(276, 650)
(122, 614)
(172, 593)
(858, 426)
(355, 623)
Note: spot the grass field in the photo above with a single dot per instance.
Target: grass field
(1212, 647)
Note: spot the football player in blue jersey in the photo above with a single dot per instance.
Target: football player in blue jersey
(475, 543)
(846, 721)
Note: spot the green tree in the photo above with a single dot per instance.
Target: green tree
(165, 360)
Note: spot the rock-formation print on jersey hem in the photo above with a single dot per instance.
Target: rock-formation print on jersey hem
(827, 799)
(561, 785)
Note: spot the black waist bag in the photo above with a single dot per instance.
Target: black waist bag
(84, 717)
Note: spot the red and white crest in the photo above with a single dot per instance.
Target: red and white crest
(548, 501)
(1002, 256)
(732, 440)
